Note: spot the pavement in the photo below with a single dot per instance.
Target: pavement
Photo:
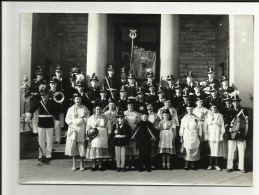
(59, 172)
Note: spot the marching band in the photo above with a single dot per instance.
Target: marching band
(124, 120)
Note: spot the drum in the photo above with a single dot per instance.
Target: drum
(240, 127)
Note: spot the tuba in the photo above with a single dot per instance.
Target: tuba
(59, 97)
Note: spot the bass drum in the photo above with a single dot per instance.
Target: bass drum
(240, 128)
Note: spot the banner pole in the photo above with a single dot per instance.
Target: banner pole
(133, 35)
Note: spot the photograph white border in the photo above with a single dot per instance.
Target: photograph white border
(11, 81)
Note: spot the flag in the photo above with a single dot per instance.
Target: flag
(142, 61)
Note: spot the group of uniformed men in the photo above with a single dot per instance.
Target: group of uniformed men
(120, 89)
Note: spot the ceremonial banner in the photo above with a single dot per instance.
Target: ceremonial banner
(143, 60)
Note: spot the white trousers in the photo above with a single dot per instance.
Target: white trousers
(120, 152)
(232, 146)
(45, 141)
(57, 130)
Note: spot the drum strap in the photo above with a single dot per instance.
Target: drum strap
(238, 114)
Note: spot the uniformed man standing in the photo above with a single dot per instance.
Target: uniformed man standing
(211, 79)
(160, 100)
(93, 92)
(150, 81)
(151, 96)
(213, 98)
(122, 102)
(182, 105)
(36, 83)
(103, 101)
(110, 82)
(132, 87)
(177, 97)
(140, 104)
(48, 116)
(237, 142)
(189, 85)
(123, 79)
(225, 88)
(170, 88)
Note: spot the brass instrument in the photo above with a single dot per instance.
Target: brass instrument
(59, 97)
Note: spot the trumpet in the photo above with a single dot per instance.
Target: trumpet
(59, 97)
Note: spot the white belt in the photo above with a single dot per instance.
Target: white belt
(45, 115)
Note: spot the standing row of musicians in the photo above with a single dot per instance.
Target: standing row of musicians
(175, 97)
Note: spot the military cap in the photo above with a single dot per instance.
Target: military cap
(94, 77)
(189, 74)
(110, 67)
(236, 98)
(131, 76)
(58, 69)
(210, 70)
(120, 114)
(223, 78)
(170, 77)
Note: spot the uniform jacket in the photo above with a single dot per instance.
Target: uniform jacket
(140, 105)
(145, 131)
(122, 137)
(132, 91)
(93, 93)
(217, 101)
(122, 104)
(228, 90)
(53, 109)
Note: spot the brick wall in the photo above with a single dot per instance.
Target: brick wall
(43, 42)
(72, 41)
(197, 44)
(59, 39)
(222, 52)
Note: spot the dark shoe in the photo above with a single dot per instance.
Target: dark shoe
(39, 163)
(59, 142)
(101, 168)
(148, 169)
(243, 171)
(93, 169)
(124, 169)
(140, 170)
(194, 168)
(229, 170)
(186, 168)
(47, 161)
(118, 170)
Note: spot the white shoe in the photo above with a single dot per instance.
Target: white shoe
(218, 168)
(209, 167)
(82, 168)
(73, 168)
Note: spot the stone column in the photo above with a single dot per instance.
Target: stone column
(26, 39)
(169, 45)
(26, 49)
(97, 45)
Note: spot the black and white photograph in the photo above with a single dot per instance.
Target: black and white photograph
(135, 98)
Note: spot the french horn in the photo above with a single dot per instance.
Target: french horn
(59, 97)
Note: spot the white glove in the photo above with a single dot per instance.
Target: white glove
(27, 117)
